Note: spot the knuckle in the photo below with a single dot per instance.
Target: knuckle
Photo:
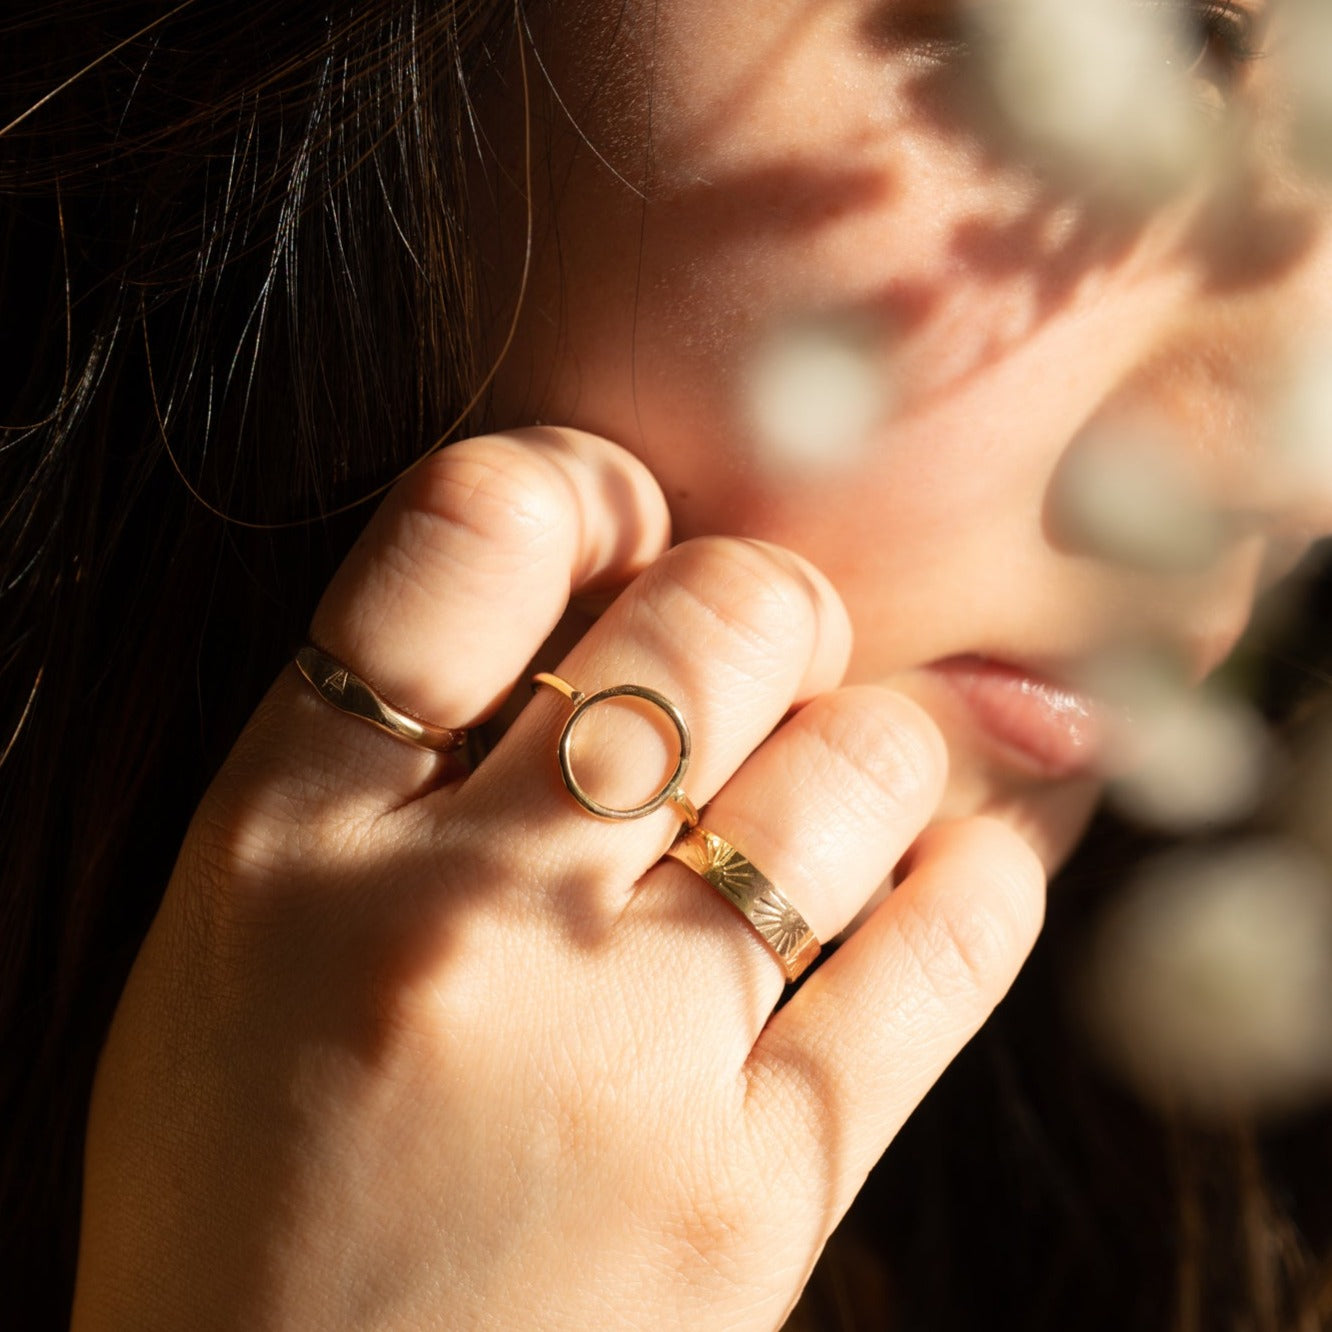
(253, 854)
(793, 1094)
(720, 1221)
(886, 748)
(495, 489)
(969, 945)
(237, 834)
(974, 955)
(748, 591)
(710, 1233)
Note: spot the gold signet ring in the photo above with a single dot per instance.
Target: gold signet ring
(347, 692)
(753, 894)
(669, 794)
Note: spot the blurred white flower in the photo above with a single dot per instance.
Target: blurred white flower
(1303, 419)
(1209, 978)
(1089, 87)
(1303, 55)
(816, 392)
(1127, 492)
(1191, 759)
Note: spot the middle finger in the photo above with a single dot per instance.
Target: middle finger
(734, 632)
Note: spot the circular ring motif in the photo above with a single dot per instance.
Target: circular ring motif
(670, 793)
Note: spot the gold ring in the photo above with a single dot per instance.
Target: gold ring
(753, 894)
(670, 793)
(347, 692)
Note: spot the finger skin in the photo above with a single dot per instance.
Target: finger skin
(321, 1117)
(734, 632)
(471, 562)
(824, 808)
(838, 1070)
(458, 579)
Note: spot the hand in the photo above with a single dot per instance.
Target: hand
(412, 1048)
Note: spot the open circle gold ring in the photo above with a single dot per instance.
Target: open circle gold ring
(347, 692)
(736, 877)
(669, 794)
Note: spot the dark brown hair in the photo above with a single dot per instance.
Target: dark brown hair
(238, 295)
(232, 266)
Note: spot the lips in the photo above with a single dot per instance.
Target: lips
(1050, 728)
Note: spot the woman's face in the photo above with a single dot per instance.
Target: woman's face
(722, 183)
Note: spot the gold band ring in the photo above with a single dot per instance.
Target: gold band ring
(347, 692)
(753, 894)
(669, 794)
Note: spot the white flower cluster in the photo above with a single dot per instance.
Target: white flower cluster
(1094, 89)
(1131, 492)
(1208, 982)
(1302, 61)
(1180, 760)
(1302, 421)
(816, 394)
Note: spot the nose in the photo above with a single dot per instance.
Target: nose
(1222, 430)
(1178, 494)
(1266, 445)
(1242, 373)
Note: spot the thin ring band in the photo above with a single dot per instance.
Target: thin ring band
(669, 794)
(347, 692)
(753, 894)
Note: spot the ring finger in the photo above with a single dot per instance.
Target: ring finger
(825, 809)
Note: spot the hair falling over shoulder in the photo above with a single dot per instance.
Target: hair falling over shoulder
(239, 296)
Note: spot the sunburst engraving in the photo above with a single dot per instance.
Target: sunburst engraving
(779, 923)
(776, 920)
(727, 870)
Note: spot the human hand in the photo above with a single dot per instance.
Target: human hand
(412, 1048)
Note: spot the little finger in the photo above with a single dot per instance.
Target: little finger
(837, 1071)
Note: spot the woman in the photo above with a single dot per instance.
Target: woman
(414, 1041)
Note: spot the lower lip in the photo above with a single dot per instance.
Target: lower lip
(1056, 730)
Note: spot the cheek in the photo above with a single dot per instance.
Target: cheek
(662, 307)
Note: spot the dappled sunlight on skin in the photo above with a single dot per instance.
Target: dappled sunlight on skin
(1243, 217)
(995, 312)
(1080, 414)
(1301, 61)
(928, 393)
(927, 398)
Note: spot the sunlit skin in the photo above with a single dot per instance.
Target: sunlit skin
(813, 160)
(415, 1044)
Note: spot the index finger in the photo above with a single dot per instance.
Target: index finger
(472, 560)
(460, 576)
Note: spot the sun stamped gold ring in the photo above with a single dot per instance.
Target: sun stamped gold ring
(669, 794)
(774, 918)
(347, 692)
